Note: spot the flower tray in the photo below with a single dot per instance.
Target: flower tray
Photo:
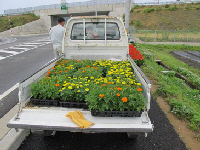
(116, 113)
(41, 102)
(74, 104)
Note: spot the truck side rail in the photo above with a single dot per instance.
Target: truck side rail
(24, 88)
(146, 84)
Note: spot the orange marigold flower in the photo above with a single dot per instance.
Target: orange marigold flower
(57, 84)
(103, 85)
(124, 99)
(78, 60)
(83, 71)
(109, 82)
(60, 71)
(52, 67)
(101, 95)
(140, 89)
(119, 89)
(128, 85)
(56, 63)
(118, 94)
(49, 69)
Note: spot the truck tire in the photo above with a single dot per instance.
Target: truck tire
(132, 135)
(49, 133)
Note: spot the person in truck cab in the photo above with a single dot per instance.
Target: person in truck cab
(91, 34)
(56, 35)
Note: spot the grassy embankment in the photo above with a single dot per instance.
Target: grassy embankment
(16, 20)
(184, 101)
(167, 17)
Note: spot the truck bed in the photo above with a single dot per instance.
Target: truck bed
(53, 118)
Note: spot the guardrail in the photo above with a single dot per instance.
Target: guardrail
(86, 3)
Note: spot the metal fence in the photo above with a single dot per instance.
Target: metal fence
(79, 4)
(165, 35)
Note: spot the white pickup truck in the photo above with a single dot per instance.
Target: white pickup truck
(109, 42)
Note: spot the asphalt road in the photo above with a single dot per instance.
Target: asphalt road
(18, 60)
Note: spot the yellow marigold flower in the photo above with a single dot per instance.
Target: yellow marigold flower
(87, 89)
(138, 84)
(80, 82)
(70, 87)
(81, 85)
(86, 84)
(123, 82)
(78, 91)
(91, 77)
(73, 84)
(60, 90)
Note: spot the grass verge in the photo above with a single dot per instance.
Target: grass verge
(184, 101)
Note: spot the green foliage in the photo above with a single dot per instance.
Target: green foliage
(137, 7)
(167, 6)
(159, 9)
(105, 98)
(173, 8)
(191, 76)
(85, 80)
(148, 10)
(184, 101)
(132, 10)
(138, 24)
(198, 8)
(16, 21)
(188, 7)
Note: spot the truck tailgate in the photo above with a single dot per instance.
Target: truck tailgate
(53, 118)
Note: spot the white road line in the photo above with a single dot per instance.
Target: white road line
(34, 43)
(9, 91)
(1, 58)
(18, 48)
(12, 52)
(26, 45)
(22, 49)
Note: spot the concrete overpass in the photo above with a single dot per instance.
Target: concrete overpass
(50, 16)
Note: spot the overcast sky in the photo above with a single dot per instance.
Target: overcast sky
(14, 4)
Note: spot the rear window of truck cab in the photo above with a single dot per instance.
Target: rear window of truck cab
(95, 31)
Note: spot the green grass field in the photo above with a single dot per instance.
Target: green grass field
(184, 101)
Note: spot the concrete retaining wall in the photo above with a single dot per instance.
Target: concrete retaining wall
(34, 27)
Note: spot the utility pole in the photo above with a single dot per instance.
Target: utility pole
(96, 8)
(9, 26)
(127, 15)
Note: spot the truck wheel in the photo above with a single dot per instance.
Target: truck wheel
(49, 133)
(132, 135)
